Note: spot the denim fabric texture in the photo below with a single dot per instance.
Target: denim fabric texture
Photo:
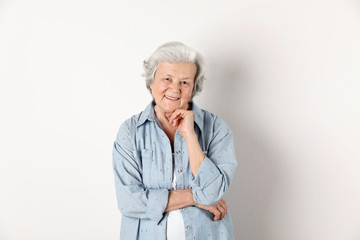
(144, 168)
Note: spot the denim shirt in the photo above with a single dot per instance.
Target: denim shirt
(144, 168)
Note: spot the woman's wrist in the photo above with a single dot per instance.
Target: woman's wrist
(190, 136)
(179, 199)
(188, 196)
(191, 198)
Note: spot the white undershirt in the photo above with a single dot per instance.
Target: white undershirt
(175, 221)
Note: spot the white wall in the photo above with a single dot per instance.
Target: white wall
(284, 75)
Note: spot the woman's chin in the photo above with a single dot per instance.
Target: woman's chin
(171, 107)
(170, 110)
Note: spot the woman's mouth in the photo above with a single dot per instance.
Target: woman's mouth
(171, 98)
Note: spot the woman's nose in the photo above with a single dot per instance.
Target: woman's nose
(175, 86)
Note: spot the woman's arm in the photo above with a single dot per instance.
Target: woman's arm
(184, 198)
(214, 172)
(134, 199)
(179, 199)
(184, 120)
(196, 154)
(219, 209)
(217, 169)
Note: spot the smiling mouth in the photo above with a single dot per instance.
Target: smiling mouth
(171, 98)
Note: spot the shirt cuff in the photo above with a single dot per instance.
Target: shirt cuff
(207, 173)
(157, 202)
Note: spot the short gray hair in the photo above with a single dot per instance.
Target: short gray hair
(175, 52)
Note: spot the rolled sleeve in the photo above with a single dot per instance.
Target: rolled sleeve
(204, 184)
(157, 202)
(217, 169)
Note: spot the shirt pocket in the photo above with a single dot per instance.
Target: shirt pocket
(146, 159)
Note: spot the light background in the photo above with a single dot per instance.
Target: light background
(283, 74)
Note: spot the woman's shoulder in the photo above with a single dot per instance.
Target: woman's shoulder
(208, 118)
(131, 122)
(135, 120)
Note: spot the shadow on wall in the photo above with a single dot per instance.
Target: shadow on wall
(231, 90)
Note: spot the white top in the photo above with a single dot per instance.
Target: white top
(175, 221)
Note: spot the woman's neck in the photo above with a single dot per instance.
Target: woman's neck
(162, 116)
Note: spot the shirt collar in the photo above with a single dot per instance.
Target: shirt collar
(149, 114)
(198, 115)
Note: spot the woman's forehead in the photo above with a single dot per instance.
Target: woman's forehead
(185, 69)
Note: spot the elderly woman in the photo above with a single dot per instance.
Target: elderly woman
(173, 162)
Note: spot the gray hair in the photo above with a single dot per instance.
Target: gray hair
(175, 52)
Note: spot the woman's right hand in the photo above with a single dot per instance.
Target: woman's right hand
(219, 209)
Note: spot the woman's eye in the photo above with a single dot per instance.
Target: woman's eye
(185, 82)
(167, 79)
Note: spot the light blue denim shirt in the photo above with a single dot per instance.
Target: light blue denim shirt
(143, 169)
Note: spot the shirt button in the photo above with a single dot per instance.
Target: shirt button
(188, 226)
(179, 171)
(178, 133)
(183, 208)
(177, 152)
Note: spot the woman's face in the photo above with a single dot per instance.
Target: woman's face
(173, 85)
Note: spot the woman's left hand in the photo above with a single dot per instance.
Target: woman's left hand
(183, 120)
(219, 209)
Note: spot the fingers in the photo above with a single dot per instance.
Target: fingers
(217, 214)
(175, 122)
(211, 208)
(224, 205)
(222, 210)
(177, 114)
(219, 209)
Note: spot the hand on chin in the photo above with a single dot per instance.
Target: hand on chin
(168, 114)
